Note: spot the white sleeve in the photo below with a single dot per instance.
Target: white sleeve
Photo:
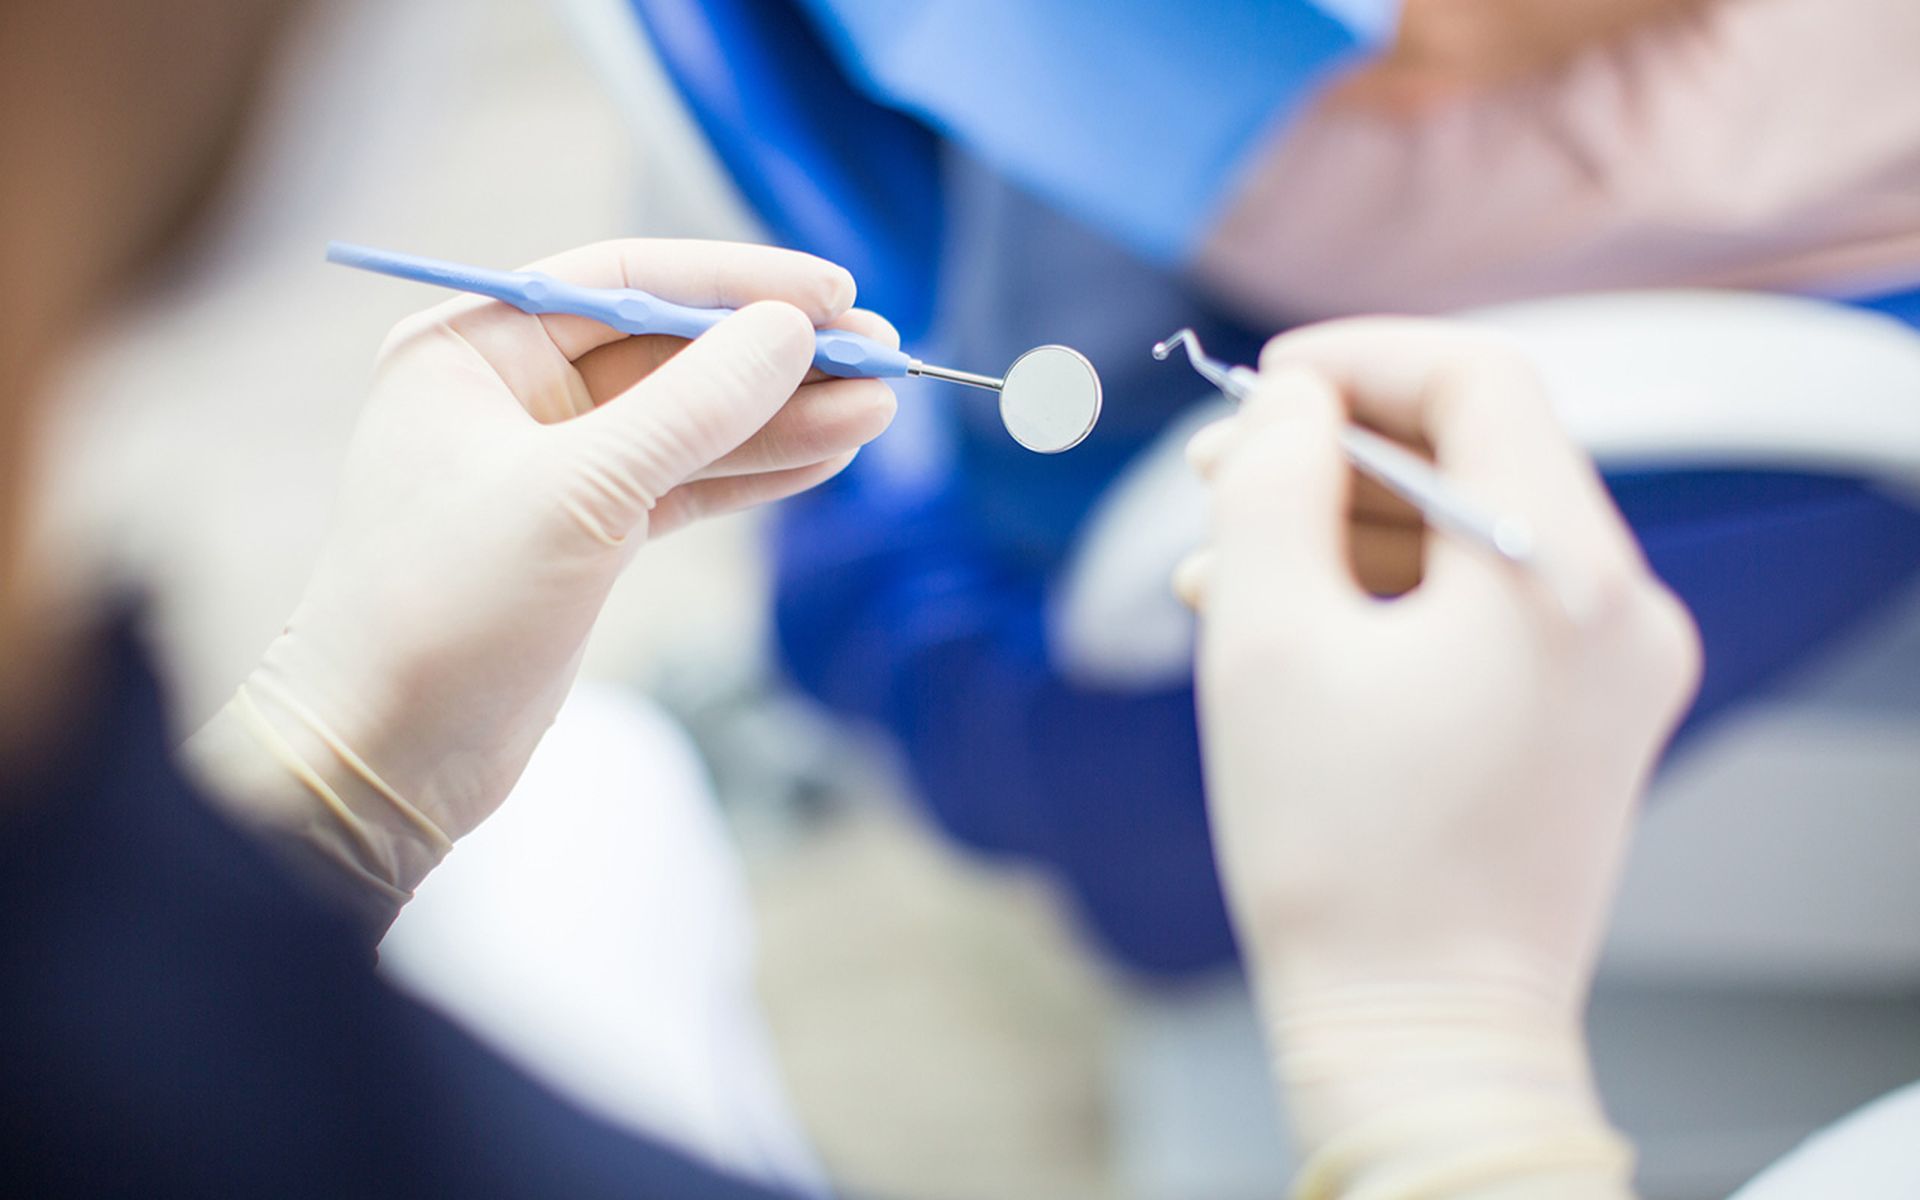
(597, 932)
(1872, 1155)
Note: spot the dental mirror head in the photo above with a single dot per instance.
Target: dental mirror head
(1050, 399)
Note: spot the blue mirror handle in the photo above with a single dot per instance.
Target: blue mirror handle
(629, 310)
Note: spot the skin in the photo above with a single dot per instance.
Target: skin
(1448, 48)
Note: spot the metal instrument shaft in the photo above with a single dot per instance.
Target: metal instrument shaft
(1396, 468)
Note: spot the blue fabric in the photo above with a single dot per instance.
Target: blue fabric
(1775, 566)
(826, 169)
(183, 1020)
(1134, 118)
(1904, 306)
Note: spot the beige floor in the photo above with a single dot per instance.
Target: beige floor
(938, 1025)
(940, 1030)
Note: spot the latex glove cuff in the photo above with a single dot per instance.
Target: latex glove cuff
(272, 763)
(1408, 1093)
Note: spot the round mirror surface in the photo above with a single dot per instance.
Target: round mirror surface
(1051, 399)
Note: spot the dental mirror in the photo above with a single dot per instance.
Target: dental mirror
(1049, 399)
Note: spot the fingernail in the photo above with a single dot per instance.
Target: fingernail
(844, 293)
(795, 328)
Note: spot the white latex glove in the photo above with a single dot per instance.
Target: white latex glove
(504, 472)
(1420, 806)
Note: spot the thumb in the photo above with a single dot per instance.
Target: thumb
(700, 404)
(1280, 501)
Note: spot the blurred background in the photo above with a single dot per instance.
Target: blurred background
(945, 1026)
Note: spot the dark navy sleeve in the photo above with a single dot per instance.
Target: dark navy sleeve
(182, 1019)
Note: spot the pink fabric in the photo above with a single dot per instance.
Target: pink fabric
(1758, 143)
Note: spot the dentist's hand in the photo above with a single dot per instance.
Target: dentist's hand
(506, 469)
(1420, 805)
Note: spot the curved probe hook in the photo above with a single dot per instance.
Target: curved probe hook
(1405, 474)
(1231, 380)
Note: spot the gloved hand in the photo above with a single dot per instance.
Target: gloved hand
(505, 470)
(1111, 623)
(1420, 805)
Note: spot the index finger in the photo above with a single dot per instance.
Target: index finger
(610, 370)
(1481, 407)
(696, 273)
(1279, 507)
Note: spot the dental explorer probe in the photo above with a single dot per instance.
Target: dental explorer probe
(1049, 397)
(1396, 468)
